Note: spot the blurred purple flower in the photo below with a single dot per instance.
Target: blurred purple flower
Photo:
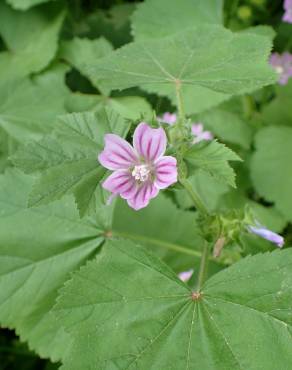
(282, 64)
(169, 118)
(185, 275)
(287, 17)
(200, 134)
(139, 172)
(267, 234)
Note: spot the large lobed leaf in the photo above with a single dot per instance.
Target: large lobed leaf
(51, 241)
(39, 248)
(159, 18)
(127, 310)
(171, 233)
(209, 64)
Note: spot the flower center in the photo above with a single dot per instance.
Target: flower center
(141, 172)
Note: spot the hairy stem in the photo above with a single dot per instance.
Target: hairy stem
(159, 243)
(180, 105)
(203, 267)
(195, 197)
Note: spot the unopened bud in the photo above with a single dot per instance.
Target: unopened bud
(218, 246)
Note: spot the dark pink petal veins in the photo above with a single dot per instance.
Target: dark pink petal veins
(117, 154)
(165, 172)
(150, 143)
(120, 182)
(143, 195)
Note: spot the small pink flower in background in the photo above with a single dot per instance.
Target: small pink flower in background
(287, 17)
(282, 64)
(169, 118)
(186, 275)
(200, 134)
(139, 172)
(267, 234)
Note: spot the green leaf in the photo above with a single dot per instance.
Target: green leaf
(262, 30)
(30, 49)
(227, 126)
(134, 313)
(278, 111)
(171, 233)
(7, 148)
(68, 160)
(212, 158)
(112, 23)
(129, 107)
(25, 4)
(209, 189)
(268, 216)
(159, 18)
(39, 248)
(28, 108)
(208, 63)
(270, 167)
(81, 52)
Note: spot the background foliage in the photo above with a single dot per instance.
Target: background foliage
(69, 73)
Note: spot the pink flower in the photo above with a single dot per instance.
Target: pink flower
(287, 17)
(139, 171)
(169, 118)
(200, 134)
(185, 275)
(282, 64)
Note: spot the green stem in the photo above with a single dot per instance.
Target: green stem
(203, 267)
(159, 243)
(180, 107)
(248, 106)
(195, 197)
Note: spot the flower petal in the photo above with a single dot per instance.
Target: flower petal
(169, 118)
(117, 154)
(121, 182)
(186, 275)
(165, 171)
(197, 128)
(287, 17)
(268, 235)
(206, 135)
(150, 143)
(143, 195)
(275, 59)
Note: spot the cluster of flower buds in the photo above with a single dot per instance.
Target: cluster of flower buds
(231, 224)
(197, 128)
